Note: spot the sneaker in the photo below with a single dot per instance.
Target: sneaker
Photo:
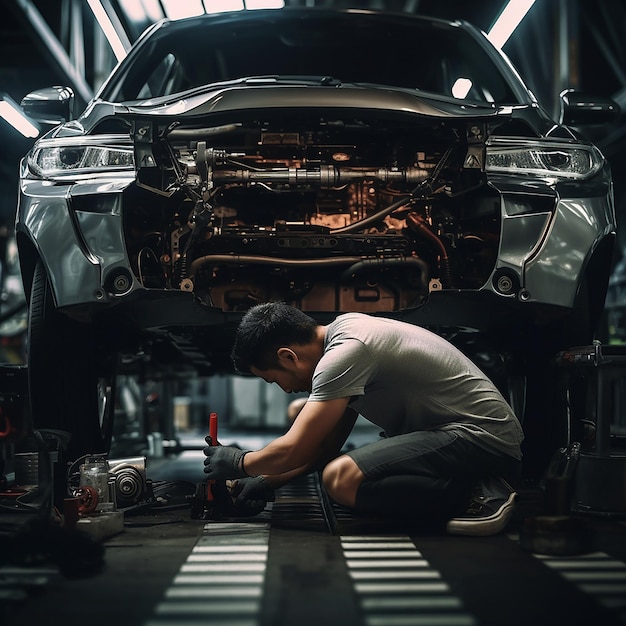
(489, 512)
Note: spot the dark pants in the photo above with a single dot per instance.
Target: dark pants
(429, 475)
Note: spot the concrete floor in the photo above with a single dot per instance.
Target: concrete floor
(305, 562)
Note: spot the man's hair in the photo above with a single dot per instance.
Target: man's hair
(266, 327)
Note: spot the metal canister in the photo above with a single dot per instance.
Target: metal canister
(26, 469)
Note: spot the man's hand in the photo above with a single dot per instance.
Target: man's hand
(251, 495)
(223, 462)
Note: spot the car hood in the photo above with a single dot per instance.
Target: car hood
(261, 93)
(228, 101)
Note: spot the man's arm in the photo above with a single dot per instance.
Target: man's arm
(315, 437)
(329, 450)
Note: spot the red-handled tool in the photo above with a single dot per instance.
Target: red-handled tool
(213, 428)
(213, 435)
(211, 499)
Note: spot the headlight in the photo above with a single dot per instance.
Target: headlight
(543, 158)
(80, 155)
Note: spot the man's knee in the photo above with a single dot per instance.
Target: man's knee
(341, 479)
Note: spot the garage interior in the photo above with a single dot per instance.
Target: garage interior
(162, 553)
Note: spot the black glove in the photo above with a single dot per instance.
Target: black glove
(223, 462)
(252, 489)
(251, 495)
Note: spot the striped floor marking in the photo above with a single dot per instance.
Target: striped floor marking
(222, 580)
(396, 586)
(596, 574)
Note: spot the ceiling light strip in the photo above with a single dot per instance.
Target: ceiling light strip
(12, 113)
(115, 36)
(512, 14)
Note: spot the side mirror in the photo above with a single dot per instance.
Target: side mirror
(579, 109)
(52, 105)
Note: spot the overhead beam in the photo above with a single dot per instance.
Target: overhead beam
(58, 54)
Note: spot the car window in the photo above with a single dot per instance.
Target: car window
(163, 80)
(437, 58)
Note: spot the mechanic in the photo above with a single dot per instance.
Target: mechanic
(450, 446)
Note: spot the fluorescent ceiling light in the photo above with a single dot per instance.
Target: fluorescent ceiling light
(508, 21)
(113, 37)
(264, 4)
(176, 9)
(220, 6)
(12, 113)
(142, 10)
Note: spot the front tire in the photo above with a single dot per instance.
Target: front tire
(71, 385)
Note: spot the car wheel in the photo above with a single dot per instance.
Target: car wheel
(71, 386)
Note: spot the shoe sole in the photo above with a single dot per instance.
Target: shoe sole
(485, 526)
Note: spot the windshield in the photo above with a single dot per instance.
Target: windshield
(351, 47)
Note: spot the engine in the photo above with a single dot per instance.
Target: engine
(336, 214)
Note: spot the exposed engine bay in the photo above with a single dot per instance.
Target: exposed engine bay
(329, 214)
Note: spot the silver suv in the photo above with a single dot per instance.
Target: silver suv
(336, 160)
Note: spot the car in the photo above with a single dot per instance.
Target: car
(337, 160)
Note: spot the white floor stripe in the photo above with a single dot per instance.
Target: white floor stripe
(424, 602)
(396, 586)
(189, 568)
(400, 588)
(596, 574)
(210, 607)
(385, 563)
(222, 580)
(390, 554)
(377, 574)
(223, 550)
(370, 543)
(197, 593)
(426, 619)
(201, 621)
(240, 557)
(591, 561)
(602, 589)
(218, 579)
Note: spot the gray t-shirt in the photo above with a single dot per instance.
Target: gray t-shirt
(405, 378)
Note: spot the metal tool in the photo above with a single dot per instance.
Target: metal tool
(211, 499)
